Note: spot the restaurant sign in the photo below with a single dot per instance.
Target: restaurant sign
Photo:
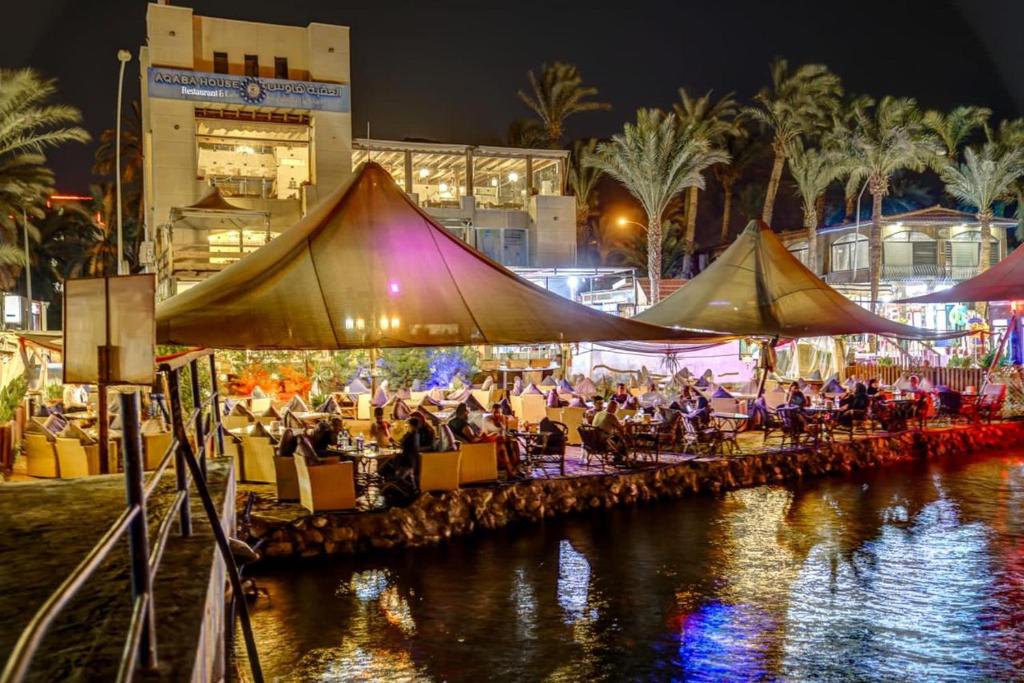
(199, 86)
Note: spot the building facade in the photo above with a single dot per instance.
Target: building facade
(259, 111)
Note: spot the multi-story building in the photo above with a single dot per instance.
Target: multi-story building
(922, 251)
(260, 111)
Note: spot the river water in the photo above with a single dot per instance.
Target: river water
(912, 572)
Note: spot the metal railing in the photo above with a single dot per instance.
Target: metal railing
(956, 379)
(140, 644)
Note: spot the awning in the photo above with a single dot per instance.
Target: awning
(214, 205)
(367, 268)
(758, 288)
(1002, 282)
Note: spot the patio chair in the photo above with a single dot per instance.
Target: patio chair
(572, 418)
(950, 403)
(795, 430)
(596, 445)
(40, 456)
(851, 420)
(534, 408)
(479, 462)
(990, 403)
(287, 475)
(330, 486)
(258, 460)
(73, 461)
(701, 438)
(154, 446)
(235, 421)
(439, 471)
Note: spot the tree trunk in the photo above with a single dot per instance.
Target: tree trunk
(726, 211)
(985, 253)
(654, 255)
(811, 223)
(875, 242)
(691, 218)
(850, 201)
(773, 186)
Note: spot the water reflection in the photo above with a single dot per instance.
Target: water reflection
(913, 572)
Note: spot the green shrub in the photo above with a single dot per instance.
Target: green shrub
(11, 397)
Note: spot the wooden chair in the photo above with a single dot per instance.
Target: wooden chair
(572, 418)
(439, 471)
(553, 414)
(40, 456)
(701, 439)
(235, 421)
(258, 460)
(73, 461)
(154, 446)
(287, 475)
(479, 462)
(259, 405)
(329, 486)
(990, 403)
(484, 397)
(595, 445)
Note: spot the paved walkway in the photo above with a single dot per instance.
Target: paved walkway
(48, 526)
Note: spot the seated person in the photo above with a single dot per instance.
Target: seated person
(495, 427)
(872, 387)
(691, 401)
(652, 398)
(288, 444)
(615, 434)
(588, 416)
(426, 434)
(75, 398)
(322, 438)
(624, 398)
(464, 430)
(380, 429)
(857, 401)
(795, 397)
(401, 473)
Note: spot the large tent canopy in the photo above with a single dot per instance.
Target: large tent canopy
(758, 288)
(1002, 282)
(368, 269)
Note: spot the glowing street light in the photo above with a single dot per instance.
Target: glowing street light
(625, 221)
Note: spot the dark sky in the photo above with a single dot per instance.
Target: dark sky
(451, 74)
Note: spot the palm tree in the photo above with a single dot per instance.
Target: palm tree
(980, 180)
(527, 133)
(582, 181)
(632, 251)
(132, 161)
(714, 122)
(557, 95)
(954, 128)
(655, 160)
(813, 170)
(743, 150)
(797, 102)
(884, 139)
(1010, 136)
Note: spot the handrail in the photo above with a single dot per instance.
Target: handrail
(163, 533)
(131, 645)
(25, 649)
(154, 478)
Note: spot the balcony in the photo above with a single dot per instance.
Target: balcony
(894, 273)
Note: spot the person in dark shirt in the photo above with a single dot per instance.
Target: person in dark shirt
(795, 397)
(854, 403)
(872, 387)
(461, 427)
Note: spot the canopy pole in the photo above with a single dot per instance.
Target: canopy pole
(373, 371)
(999, 350)
(767, 350)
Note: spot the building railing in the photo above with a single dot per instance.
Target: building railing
(930, 271)
(957, 379)
(140, 643)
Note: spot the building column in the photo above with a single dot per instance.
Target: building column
(408, 172)
(469, 173)
(529, 178)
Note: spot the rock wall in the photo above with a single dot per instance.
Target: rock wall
(433, 518)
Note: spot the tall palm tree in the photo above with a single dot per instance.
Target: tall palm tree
(526, 133)
(1010, 136)
(883, 139)
(743, 150)
(632, 251)
(29, 126)
(655, 160)
(582, 181)
(813, 170)
(980, 180)
(796, 102)
(954, 127)
(558, 94)
(713, 121)
(132, 160)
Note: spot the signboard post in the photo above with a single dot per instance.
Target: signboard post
(109, 338)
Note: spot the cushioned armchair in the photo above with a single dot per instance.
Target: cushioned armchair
(326, 487)
(479, 462)
(40, 456)
(439, 471)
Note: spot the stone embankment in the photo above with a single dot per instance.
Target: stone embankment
(436, 517)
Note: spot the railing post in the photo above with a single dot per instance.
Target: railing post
(197, 404)
(178, 425)
(138, 538)
(215, 406)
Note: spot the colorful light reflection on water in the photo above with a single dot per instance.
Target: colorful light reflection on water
(908, 573)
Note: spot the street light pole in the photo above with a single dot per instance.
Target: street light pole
(28, 268)
(123, 56)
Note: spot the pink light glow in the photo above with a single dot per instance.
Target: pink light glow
(393, 287)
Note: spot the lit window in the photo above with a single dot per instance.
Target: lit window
(253, 158)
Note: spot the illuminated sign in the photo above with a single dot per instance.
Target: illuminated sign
(199, 86)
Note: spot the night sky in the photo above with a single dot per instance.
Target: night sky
(451, 74)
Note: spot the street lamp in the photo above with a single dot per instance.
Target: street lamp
(123, 56)
(28, 268)
(624, 222)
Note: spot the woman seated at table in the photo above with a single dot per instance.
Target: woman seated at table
(853, 402)
(495, 427)
(322, 438)
(588, 415)
(427, 435)
(380, 429)
(794, 397)
(624, 398)
(691, 402)
(873, 389)
(401, 473)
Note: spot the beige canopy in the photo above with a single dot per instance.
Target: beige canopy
(758, 288)
(1002, 282)
(367, 268)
